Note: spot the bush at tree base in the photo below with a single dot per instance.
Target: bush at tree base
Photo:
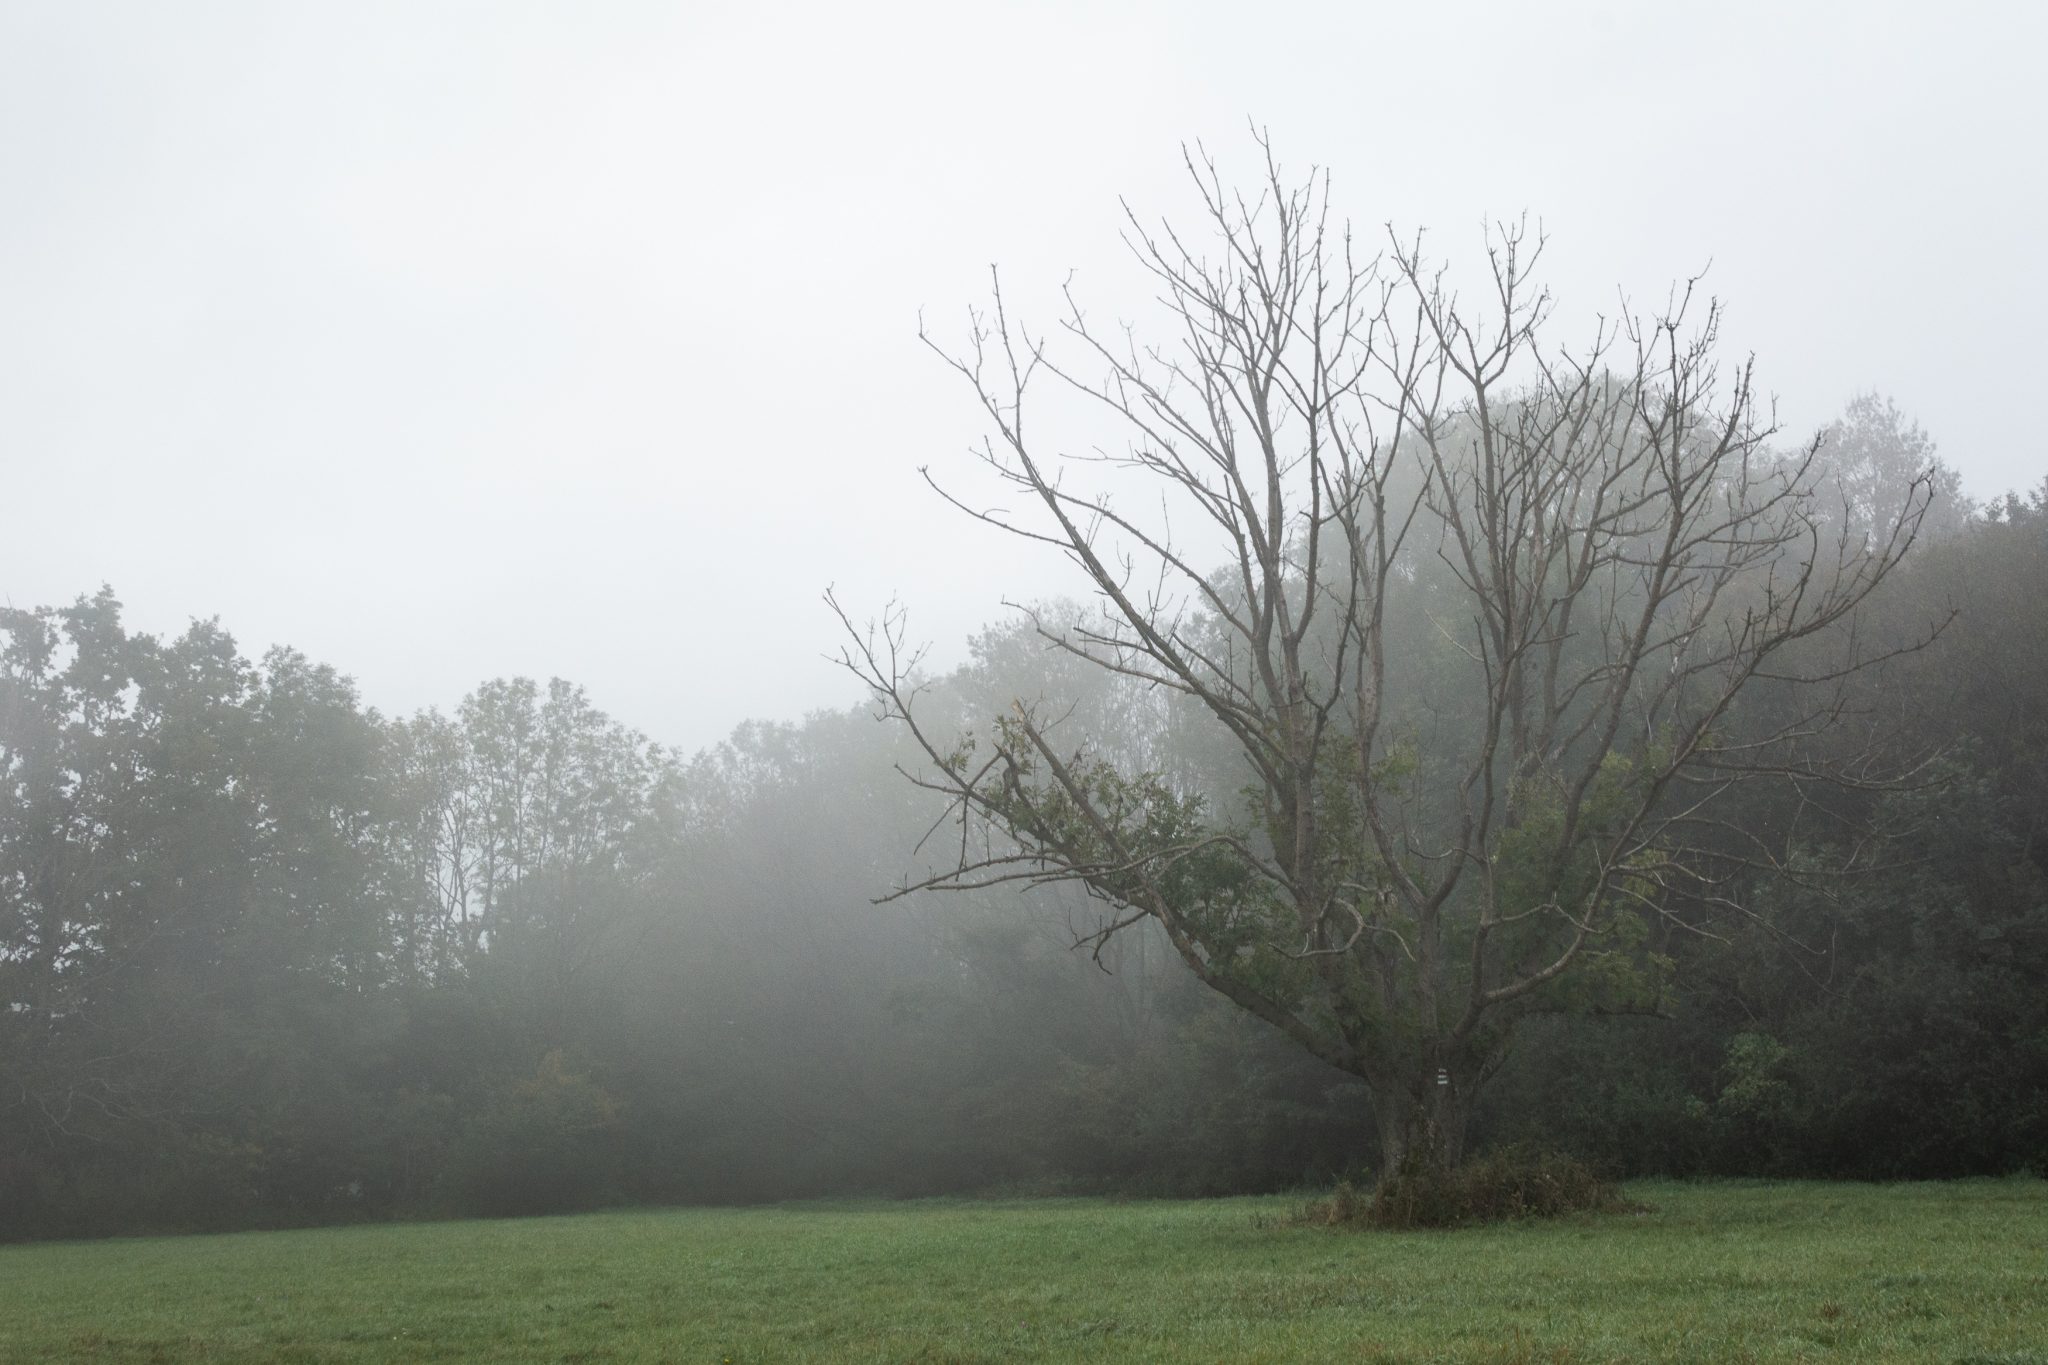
(1506, 1184)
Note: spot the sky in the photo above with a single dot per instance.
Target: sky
(448, 341)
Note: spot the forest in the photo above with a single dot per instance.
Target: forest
(269, 956)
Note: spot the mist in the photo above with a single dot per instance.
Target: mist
(436, 781)
(586, 344)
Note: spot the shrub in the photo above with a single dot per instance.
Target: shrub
(1502, 1185)
(542, 1144)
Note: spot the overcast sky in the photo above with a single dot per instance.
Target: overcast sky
(447, 341)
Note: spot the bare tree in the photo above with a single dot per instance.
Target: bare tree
(1602, 548)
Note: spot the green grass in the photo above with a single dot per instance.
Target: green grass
(1733, 1272)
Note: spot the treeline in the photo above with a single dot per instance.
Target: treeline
(1892, 1024)
(269, 956)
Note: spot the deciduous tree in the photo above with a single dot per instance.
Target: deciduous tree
(1334, 470)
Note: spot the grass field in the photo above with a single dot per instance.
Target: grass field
(1953, 1273)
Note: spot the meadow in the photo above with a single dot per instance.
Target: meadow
(1737, 1272)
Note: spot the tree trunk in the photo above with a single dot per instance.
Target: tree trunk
(1421, 1122)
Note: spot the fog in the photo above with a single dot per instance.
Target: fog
(458, 340)
(461, 797)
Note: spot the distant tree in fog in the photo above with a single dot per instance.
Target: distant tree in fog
(1872, 457)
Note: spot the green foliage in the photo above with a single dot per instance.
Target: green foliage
(543, 1144)
(1755, 1087)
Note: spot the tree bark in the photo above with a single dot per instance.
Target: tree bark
(1420, 1123)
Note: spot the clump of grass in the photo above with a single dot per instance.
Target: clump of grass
(1501, 1186)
